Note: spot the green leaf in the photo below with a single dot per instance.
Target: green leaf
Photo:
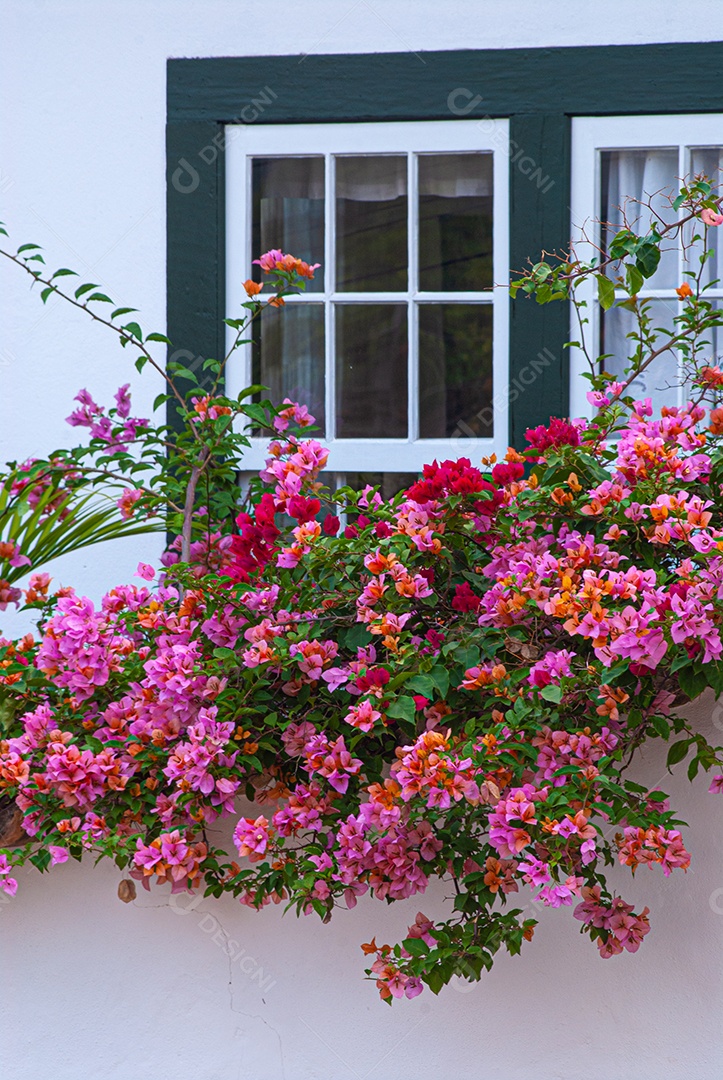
(28, 247)
(415, 946)
(122, 311)
(692, 682)
(434, 979)
(605, 292)
(647, 258)
(441, 678)
(634, 279)
(551, 693)
(356, 636)
(63, 272)
(421, 684)
(134, 330)
(662, 726)
(100, 297)
(677, 752)
(255, 412)
(402, 709)
(83, 289)
(159, 337)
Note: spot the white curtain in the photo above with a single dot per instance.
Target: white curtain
(632, 177)
(709, 161)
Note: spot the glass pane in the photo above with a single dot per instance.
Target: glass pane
(660, 381)
(709, 162)
(455, 222)
(710, 343)
(288, 211)
(371, 371)
(455, 371)
(630, 177)
(371, 224)
(288, 355)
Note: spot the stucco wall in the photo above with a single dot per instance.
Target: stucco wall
(92, 989)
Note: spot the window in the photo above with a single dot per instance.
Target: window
(617, 163)
(400, 343)
(393, 104)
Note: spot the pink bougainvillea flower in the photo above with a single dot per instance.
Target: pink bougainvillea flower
(710, 217)
(127, 501)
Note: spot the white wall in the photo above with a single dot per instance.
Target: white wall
(92, 989)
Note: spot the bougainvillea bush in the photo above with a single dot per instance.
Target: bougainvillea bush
(450, 684)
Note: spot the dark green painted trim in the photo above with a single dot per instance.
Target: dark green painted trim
(583, 81)
(538, 89)
(539, 221)
(195, 244)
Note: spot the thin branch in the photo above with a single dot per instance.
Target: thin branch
(123, 334)
(196, 473)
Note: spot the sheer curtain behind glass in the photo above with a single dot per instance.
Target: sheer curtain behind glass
(709, 162)
(630, 178)
(288, 213)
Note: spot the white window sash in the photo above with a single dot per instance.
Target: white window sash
(590, 137)
(245, 142)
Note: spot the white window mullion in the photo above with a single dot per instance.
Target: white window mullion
(501, 387)
(329, 287)
(683, 170)
(412, 311)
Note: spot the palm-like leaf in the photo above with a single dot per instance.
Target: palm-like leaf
(61, 521)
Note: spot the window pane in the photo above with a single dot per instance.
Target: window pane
(643, 175)
(455, 222)
(371, 224)
(660, 381)
(709, 162)
(371, 371)
(288, 355)
(288, 210)
(455, 371)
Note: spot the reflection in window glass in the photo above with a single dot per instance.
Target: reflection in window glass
(288, 210)
(371, 371)
(288, 355)
(455, 222)
(371, 224)
(455, 371)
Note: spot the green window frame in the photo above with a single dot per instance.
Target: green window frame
(539, 90)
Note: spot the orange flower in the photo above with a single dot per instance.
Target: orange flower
(684, 291)
(716, 422)
(276, 301)
(252, 288)
(712, 376)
